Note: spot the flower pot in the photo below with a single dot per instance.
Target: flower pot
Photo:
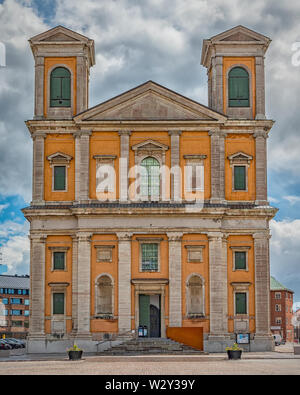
(234, 354)
(75, 355)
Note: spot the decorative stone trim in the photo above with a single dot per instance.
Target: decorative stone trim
(104, 253)
(239, 249)
(194, 253)
(240, 158)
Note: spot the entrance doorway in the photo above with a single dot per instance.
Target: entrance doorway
(149, 314)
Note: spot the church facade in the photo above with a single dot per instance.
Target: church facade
(149, 209)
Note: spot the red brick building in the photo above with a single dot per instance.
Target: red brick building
(281, 300)
(14, 306)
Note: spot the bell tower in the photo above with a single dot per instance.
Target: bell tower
(235, 67)
(62, 64)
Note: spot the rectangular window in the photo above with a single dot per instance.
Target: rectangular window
(4, 301)
(149, 257)
(58, 303)
(17, 323)
(59, 178)
(15, 301)
(15, 312)
(26, 302)
(240, 303)
(277, 307)
(240, 178)
(26, 324)
(240, 260)
(26, 313)
(278, 295)
(58, 260)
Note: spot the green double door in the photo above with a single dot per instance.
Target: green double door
(149, 314)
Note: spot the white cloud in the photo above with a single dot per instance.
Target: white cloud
(3, 207)
(292, 199)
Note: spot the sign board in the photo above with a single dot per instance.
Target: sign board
(243, 338)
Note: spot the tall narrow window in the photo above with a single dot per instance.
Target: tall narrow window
(238, 87)
(59, 178)
(240, 303)
(240, 260)
(58, 303)
(239, 178)
(149, 257)
(195, 305)
(60, 87)
(150, 179)
(58, 260)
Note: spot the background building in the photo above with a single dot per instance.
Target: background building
(14, 306)
(296, 324)
(281, 310)
(189, 247)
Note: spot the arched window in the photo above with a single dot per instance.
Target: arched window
(238, 87)
(150, 179)
(104, 296)
(195, 296)
(60, 87)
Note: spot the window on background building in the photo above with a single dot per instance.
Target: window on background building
(16, 312)
(239, 178)
(278, 320)
(104, 296)
(58, 303)
(149, 257)
(240, 303)
(240, 260)
(15, 300)
(58, 260)
(26, 324)
(26, 313)
(238, 87)
(278, 295)
(59, 183)
(26, 302)
(60, 87)
(150, 180)
(17, 323)
(4, 300)
(277, 307)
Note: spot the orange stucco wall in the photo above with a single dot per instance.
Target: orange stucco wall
(247, 276)
(63, 143)
(58, 276)
(249, 62)
(246, 144)
(201, 268)
(50, 62)
(98, 268)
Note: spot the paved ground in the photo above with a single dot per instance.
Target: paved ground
(281, 362)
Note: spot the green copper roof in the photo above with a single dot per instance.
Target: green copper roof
(276, 285)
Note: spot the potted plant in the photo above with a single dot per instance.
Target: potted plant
(234, 352)
(75, 352)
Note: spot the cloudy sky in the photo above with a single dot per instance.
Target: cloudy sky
(160, 40)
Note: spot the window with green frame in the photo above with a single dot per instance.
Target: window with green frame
(239, 178)
(240, 303)
(58, 303)
(60, 87)
(240, 260)
(238, 87)
(149, 257)
(58, 260)
(150, 179)
(59, 178)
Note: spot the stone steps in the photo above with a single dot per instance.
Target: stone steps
(141, 346)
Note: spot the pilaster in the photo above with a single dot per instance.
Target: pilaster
(85, 165)
(124, 279)
(261, 167)
(39, 88)
(217, 139)
(175, 291)
(38, 167)
(124, 163)
(175, 164)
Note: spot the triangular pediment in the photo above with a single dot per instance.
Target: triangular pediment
(59, 34)
(150, 101)
(240, 157)
(240, 33)
(150, 145)
(59, 157)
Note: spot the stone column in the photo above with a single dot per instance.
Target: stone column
(217, 141)
(175, 165)
(260, 87)
(124, 281)
(124, 164)
(39, 88)
(81, 87)
(218, 92)
(77, 165)
(85, 165)
(175, 288)
(261, 167)
(37, 287)
(218, 284)
(262, 283)
(84, 284)
(74, 284)
(38, 167)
